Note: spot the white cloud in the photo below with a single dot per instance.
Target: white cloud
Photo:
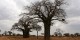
(8, 14)
(6, 25)
(73, 25)
(8, 9)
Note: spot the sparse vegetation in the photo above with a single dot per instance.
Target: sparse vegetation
(39, 38)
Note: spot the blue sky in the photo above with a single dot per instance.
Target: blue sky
(10, 10)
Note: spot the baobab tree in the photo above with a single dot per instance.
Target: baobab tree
(47, 12)
(5, 33)
(66, 34)
(10, 33)
(24, 25)
(58, 32)
(77, 34)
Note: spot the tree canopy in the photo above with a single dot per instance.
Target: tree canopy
(25, 24)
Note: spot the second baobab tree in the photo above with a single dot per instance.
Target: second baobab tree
(25, 24)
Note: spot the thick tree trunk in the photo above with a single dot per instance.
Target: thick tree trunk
(26, 30)
(46, 31)
(25, 34)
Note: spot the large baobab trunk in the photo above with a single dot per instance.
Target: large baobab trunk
(26, 33)
(47, 30)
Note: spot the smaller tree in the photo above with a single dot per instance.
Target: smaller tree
(5, 33)
(67, 34)
(25, 25)
(77, 34)
(58, 32)
(10, 33)
(20, 28)
(72, 35)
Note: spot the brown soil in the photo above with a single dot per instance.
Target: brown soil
(35, 38)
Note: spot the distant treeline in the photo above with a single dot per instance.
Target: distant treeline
(9, 33)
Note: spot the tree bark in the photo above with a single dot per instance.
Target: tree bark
(47, 31)
(26, 31)
(25, 34)
(37, 34)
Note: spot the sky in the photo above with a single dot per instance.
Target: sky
(10, 10)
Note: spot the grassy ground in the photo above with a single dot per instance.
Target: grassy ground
(34, 38)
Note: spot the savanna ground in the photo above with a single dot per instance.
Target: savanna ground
(35, 38)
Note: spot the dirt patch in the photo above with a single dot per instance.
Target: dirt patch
(35, 38)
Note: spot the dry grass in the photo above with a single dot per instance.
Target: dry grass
(34, 38)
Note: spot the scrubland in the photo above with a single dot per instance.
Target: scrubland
(35, 38)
